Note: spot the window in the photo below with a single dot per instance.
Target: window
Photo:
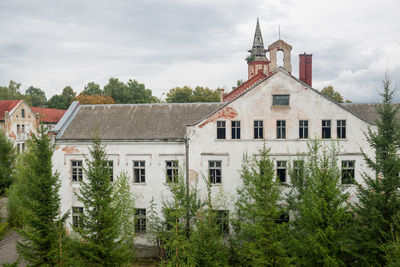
(23, 128)
(280, 100)
(280, 129)
(172, 171)
(77, 216)
(348, 172)
(235, 129)
(18, 148)
(214, 168)
(341, 129)
(281, 171)
(139, 172)
(222, 220)
(22, 146)
(221, 129)
(258, 129)
(298, 168)
(140, 221)
(23, 113)
(283, 218)
(326, 129)
(303, 129)
(110, 167)
(77, 171)
(18, 128)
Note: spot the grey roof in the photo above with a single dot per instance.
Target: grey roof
(366, 111)
(135, 121)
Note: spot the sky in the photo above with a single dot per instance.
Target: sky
(50, 44)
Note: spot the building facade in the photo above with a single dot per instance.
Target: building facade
(152, 142)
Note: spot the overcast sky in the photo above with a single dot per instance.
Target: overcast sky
(167, 43)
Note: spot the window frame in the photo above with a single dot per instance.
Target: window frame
(258, 129)
(303, 129)
(77, 213)
(235, 129)
(79, 171)
(341, 130)
(23, 113)
(221, 130)
(110, 169)
(139, 171)
(298, 167)
(140, 221)
(173, 177)
(222, 220)
(281, 129)
(280, 102)
(281, 165)
(215, 171)
(326, 129)
(345, 179)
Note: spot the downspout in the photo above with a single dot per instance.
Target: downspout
(187, 183)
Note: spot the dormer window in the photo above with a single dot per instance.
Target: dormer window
(280, 100)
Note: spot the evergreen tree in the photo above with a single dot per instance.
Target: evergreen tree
(257, 231)
(379, 199)
(319, 212)
(43, 232)
(7, 162)
(102, 226)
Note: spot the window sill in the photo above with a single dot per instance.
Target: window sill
(139, 184)
(216, 184)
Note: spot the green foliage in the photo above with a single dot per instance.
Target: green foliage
(318, 228)
(103, 227)
(334, 95)
(92, 88)
(130, 93)
(62, 101)
(391, 248)
(379, 200)
(35, 97)
(7, 162)
(12, 91)
(43, 232)
(257, 233)
(187, 95)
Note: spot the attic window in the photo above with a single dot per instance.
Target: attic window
(280, 100)
(23, 113)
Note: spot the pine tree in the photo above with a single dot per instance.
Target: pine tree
(43, 230)
(7, 161)
(319, 212)
(379, 199)
(100, 229)
(257, 231)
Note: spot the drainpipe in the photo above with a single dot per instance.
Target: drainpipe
(187, 182)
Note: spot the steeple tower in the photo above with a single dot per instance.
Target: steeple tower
(257, 61)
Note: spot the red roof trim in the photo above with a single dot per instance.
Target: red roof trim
(7, 105)
(244, 86)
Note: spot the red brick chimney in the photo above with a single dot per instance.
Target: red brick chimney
(305, 68)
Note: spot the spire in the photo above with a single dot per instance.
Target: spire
(258, 44)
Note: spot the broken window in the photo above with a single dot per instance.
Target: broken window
(348, 172)
(281, 171)
(77, 216)
(281, 129)
(303, 129)
(77, 171)
(215, 170)
(172, 171)
(140, 221)
(221, 129)
(139, 172)
(326, 129)
(341, 129)
(110, 168)
(280, 100)
(235, 129)
(258, 129)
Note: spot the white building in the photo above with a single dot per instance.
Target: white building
(152, 141)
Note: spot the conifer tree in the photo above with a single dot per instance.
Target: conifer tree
(7, 161)
(319, 211)
(379, 199)
(100, 228)
(257, 231)
(43, 230)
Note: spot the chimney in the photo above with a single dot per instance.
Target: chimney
(305, 68)
(221, 94)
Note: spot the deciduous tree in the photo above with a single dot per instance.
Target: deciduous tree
(7, 162)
